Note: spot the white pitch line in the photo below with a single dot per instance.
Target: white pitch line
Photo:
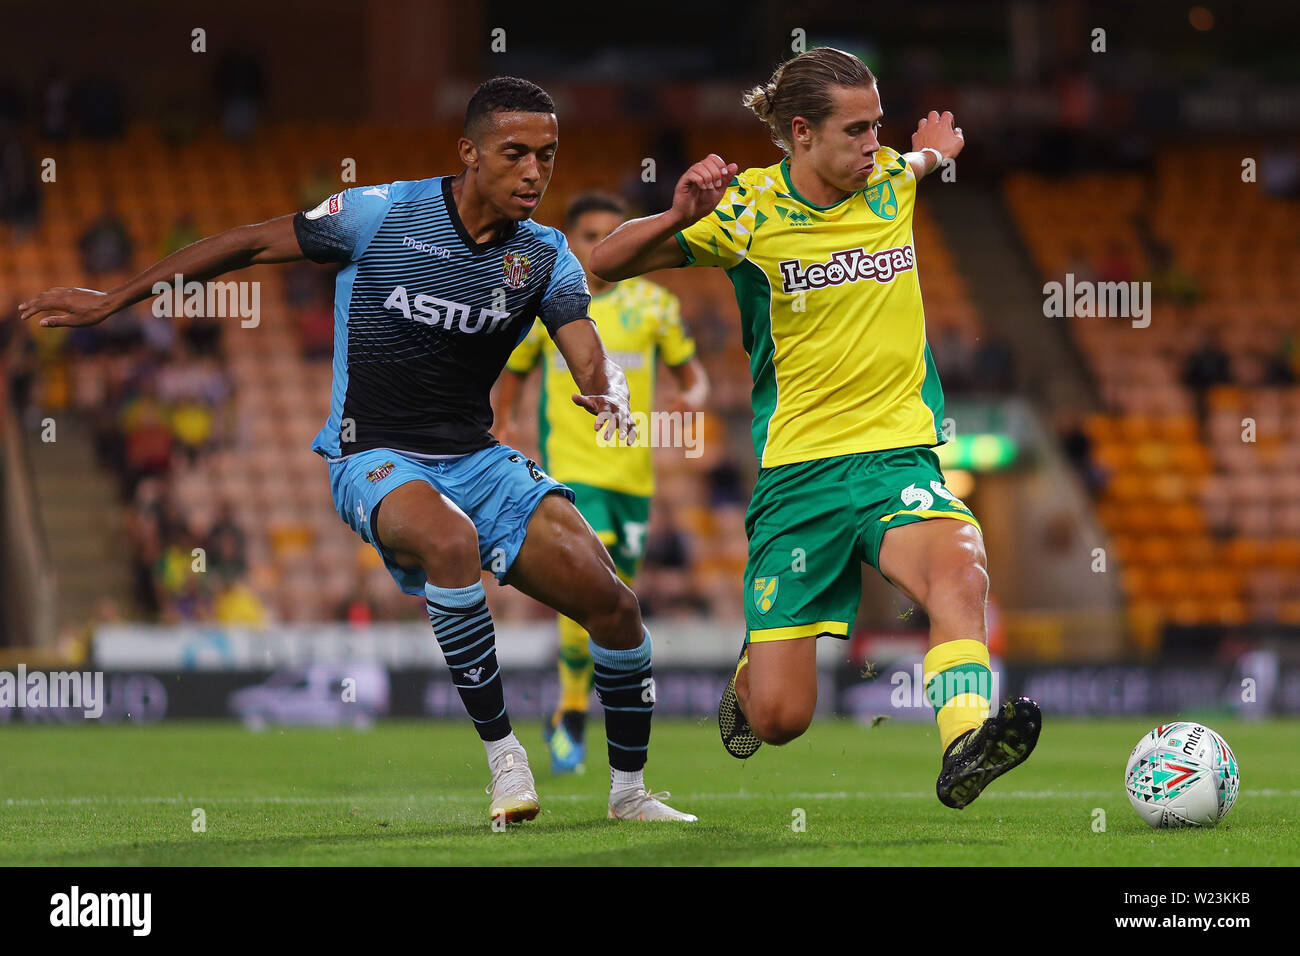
(107, 800)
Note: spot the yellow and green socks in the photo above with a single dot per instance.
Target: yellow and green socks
(958, 682)
(575, 669)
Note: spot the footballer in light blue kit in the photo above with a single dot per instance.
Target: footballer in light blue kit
(440, 279)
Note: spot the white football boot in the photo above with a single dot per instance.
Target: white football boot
(514, 795)
(641, 805)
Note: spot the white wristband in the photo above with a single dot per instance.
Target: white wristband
(938, 156)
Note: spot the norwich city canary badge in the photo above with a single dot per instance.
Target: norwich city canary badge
(882, 200)
(765, 593)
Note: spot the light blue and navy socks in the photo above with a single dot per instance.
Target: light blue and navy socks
(625, 685)
(463, 628)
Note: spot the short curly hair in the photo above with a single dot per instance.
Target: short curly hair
(505, 94)
(593, 201)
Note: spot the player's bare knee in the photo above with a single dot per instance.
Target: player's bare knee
(964, 577)
(447, 552)
(615, 617)
(958, 571)
(780, 721)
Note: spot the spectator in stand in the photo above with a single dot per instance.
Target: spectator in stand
(18, 361)
(191, 424)
(20, 188)
(668, 150)
(241, 85)
(1168, 280)
(1206, 366)
(319, 186)
(148, 439)
(667, 587)
(1115, 266)
(1078, 451)
(105, 245)
(1077, 265)
(993, 368)
(238, 604)
(144, 531)
(316, 330)
(954, 357)
(98, 105)
(1280, 366)
(226, 544)
(1279, 170)
(56, 105)
(724, 486)
(182, 233)
(358, 609)
(305, 282)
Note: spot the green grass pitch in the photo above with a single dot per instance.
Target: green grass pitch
(412, 793)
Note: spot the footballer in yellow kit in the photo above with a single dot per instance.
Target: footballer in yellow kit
(640, 325)
(847, 409)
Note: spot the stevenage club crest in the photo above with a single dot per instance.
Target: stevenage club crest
(515, 266)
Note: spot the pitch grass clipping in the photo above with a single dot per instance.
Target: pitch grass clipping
(412, 793)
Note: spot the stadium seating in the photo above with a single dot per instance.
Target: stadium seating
(1202, 512)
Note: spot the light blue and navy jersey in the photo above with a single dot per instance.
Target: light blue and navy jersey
(425, 317)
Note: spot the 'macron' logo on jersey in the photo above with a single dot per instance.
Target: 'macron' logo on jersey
(444, 313)
(847, 265)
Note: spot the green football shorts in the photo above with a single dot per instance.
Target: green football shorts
(813, 523)
(619, 520)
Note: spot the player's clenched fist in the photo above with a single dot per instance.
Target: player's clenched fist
(701, 187)
(938, 132)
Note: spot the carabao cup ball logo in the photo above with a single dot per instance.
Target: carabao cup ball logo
(515, 266)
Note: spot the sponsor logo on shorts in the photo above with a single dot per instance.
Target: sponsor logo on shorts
(380, 473)
(765, 593)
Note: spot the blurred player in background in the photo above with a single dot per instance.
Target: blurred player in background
(847, 407)
(441, 278)
(639, 323)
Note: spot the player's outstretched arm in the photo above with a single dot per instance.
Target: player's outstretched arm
(604, 388)
(935, 141)
(263, 242)
(644, 245)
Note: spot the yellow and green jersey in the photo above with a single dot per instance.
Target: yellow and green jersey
(831, 312)
(639, 322)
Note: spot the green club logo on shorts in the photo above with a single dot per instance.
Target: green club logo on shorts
(765, 593)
